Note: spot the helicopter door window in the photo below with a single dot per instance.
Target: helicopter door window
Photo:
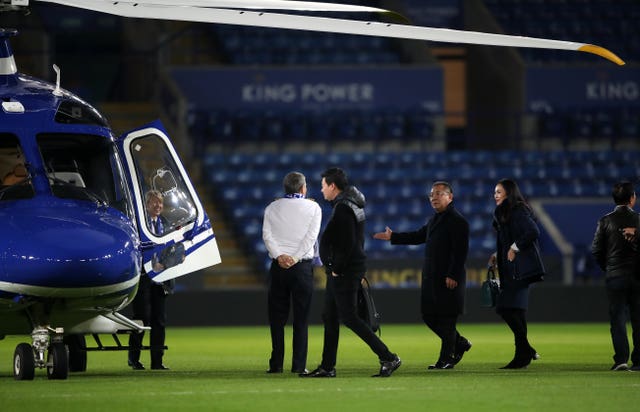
(16, 180)
(159, 178)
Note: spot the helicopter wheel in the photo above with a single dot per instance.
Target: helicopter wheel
(24, 362)
(58, 361)
(77, 352)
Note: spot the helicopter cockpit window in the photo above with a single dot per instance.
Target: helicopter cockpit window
(78, 112)
(16, 180)
(161, 180)
(81, 167)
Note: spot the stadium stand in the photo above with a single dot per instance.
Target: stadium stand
(396, 184)
(591, 21)
(563, 149)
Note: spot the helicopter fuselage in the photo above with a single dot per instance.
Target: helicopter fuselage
(69, 247)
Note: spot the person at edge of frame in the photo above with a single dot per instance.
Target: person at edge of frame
(616, 250)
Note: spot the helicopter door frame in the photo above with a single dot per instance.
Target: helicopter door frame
(188, 247)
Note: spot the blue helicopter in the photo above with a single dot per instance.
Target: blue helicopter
(75, 236)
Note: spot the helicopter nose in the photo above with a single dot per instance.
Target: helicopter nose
(72, 251)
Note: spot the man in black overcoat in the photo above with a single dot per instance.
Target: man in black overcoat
(446, 239)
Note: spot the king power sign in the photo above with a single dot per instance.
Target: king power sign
(313, 89)
(553, 88)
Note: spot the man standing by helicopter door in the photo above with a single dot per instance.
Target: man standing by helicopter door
(149, 303)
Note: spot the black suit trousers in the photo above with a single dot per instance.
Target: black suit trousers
(290, 286)
(623, 293)
(444, 326)
(149, 306)
(340, 305)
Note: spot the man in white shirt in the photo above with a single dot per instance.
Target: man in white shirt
(290, 231)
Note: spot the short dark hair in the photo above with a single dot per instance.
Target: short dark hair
(622, 192)
(293, 182)
(336, 176)
(443, 183)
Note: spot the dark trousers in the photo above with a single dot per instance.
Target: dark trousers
(340, 306)
(149, 306)
(517, 322)
(290, 286)
(624, 303)
(445, 327)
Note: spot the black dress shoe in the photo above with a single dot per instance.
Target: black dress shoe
(620, 367)
(387, 367)
(136, 365)
(457, 357)
(300, 371)
(319, 373)
(441, 365)
(159, 367)
(274, 370)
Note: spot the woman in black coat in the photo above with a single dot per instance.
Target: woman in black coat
(519, 264)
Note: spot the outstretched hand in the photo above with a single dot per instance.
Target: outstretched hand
(386, 235)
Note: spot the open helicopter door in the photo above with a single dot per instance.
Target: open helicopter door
(180, 239)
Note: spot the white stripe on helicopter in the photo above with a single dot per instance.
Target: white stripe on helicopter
(66, 292)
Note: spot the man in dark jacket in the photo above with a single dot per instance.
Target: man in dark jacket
(149, 304)
(446, 239)
(617, 256)
(342, 252)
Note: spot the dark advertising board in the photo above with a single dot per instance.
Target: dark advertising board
(314, 89)
(558, 88)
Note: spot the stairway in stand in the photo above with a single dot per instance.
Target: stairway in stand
(236, 270)
(125, 116)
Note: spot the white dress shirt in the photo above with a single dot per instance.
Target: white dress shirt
(291, 227)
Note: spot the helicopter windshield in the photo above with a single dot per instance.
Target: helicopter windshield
(161, 179)
(16, 181)
(82, 167)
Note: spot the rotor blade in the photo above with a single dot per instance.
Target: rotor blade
(325, 24)
(261, 5)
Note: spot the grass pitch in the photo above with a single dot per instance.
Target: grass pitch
(224, 369)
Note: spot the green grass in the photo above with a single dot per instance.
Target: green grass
(223, 369)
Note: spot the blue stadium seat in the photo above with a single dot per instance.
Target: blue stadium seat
(252, 181)
(629, 124)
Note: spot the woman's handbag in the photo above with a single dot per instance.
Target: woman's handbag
(490, 289)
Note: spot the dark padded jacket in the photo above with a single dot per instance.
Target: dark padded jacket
(615, 255)
(342, 242)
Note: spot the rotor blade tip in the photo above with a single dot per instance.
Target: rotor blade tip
(602, 52)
